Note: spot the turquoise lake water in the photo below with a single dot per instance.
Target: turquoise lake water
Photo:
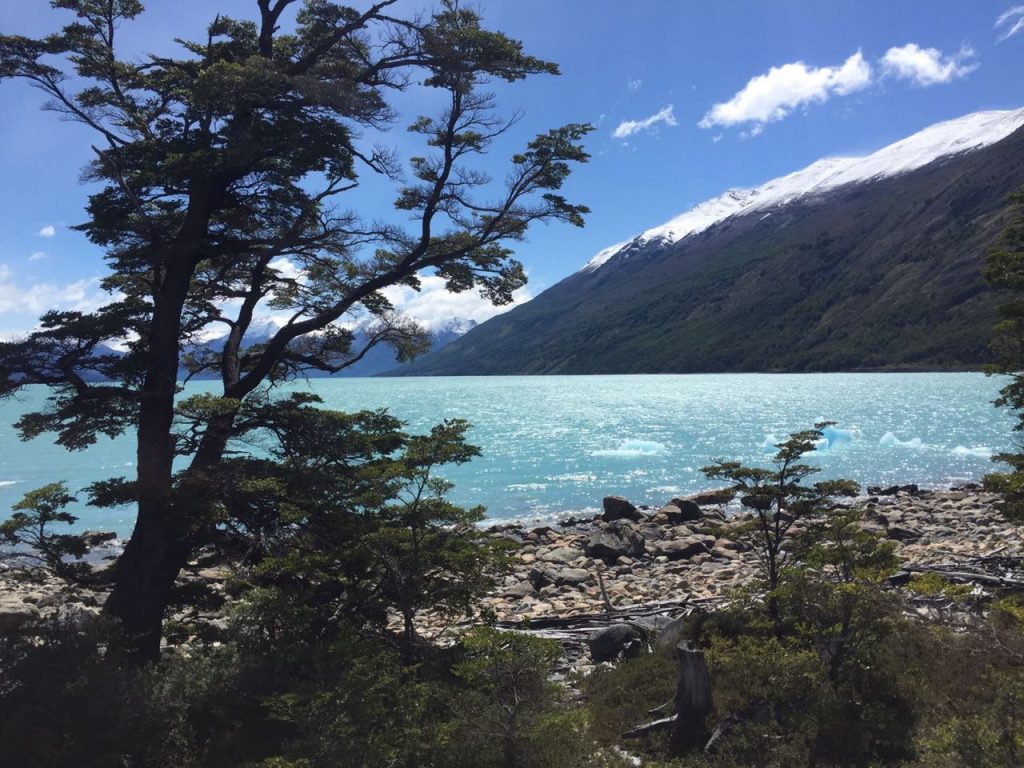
(556, 445)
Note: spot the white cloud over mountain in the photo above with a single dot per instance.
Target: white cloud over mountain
(434, 307)
(772, 96)
(927, 66)
(82, 295)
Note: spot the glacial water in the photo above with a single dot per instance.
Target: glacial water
(554, 446)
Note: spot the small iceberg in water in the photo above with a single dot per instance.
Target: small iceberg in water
(833, 437)
(631, 448)
(890, 440)
(977, 452)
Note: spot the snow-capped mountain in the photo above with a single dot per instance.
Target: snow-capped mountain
(952, 137)
(853, 263)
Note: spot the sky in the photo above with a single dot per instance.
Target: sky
(688, 99)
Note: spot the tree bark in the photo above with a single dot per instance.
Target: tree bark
(693, 700)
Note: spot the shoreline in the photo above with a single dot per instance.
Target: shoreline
(659, 562)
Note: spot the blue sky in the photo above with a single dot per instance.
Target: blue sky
(688, 99)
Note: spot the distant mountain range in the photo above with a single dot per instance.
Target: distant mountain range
(379, 359)
(869, 263)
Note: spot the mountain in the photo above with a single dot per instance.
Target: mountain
(853, 263)
(378, 360)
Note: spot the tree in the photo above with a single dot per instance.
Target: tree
(1004, 270)
(30, 527)
(779, 497)
(220, 172)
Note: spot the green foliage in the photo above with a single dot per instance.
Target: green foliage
(779, 496)
(30, 527)
(1004, 270)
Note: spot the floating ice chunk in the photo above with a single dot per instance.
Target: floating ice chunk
(977, 452)
(526, 487)
(770, 442)
(5, 483)
(832, 437)
(632, 448)
(890, 440)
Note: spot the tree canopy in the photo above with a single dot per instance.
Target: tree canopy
(221, 176)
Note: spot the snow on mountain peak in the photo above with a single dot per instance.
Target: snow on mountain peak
(952, 137)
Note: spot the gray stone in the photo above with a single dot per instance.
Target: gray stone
(572, 576)
(618, 641)
(562, 555)
(680, 549)
(522, 589)
(618, 539)
(681, 511)
(619, 508)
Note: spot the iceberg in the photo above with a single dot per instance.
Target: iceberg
(632, 448)
(890, 440)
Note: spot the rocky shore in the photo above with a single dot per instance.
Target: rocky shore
(626, 560)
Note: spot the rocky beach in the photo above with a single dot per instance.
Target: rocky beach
(628, 565)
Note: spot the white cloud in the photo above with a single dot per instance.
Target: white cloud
(628, 127)
(634, 85)
(772, 96)
(1012, 20)
(48, 231)
(81, 295)
(37, 256)
(927, 66)
(435, 307)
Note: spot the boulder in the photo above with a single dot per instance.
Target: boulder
(521, 589)
(541, 576)
(902, 533)
(618, 539)
(681, 549)
(682, 511)
(711, 497)
(14, 614)
(618, 641)
(563, 555)
(572, 577)
(618, 508)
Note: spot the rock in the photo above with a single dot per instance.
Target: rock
(681, 511)
(901, 533)
(522, 589)
(679, 549)
(618, 508)
(15, 614)
(711, 497)
(572, 577)
(618, 539)
(541, 576)
(618, 641)
(562, 555)
(95, 538)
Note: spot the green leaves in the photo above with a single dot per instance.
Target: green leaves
(31, 523)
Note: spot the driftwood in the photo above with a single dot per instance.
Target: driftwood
(954, 572)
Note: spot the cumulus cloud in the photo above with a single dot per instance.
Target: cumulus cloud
(1011, 21)
(48, 231)
(627, 128)
(81, 295)
(772, 96)
(37, 256)
(434, 307)
(927, 66)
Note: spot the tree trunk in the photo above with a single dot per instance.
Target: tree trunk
(159, 547)
(693, 700)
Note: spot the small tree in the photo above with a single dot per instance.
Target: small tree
(779, 497)
(429, 551)
(30, 527)
(1004, 270)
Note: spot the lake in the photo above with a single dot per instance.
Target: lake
(555, 445)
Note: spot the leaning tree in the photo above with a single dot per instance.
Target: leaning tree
(221, 174)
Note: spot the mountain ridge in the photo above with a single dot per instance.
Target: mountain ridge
(881, 273)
